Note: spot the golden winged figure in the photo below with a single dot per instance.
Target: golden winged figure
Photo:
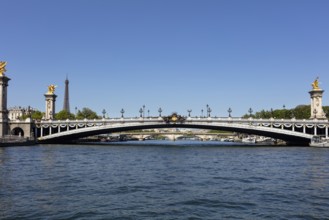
(315, 84)
(2, 68)
(51, 89)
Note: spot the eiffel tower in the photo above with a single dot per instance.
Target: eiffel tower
(66, 105)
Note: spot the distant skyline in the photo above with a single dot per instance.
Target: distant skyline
(173, 54)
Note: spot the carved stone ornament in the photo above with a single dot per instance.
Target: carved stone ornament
(174, 118)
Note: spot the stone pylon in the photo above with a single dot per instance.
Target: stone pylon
(316, 101)
(4, 127)
(50, 103)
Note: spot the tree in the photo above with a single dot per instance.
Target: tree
(63, 115)
(299, 112)
(37, 115)
(87, 113)
(302, 112)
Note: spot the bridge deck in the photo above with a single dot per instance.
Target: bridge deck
(289, 130)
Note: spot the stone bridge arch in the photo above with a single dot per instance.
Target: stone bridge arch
(22, 128)
(17, 131)
(69, 133)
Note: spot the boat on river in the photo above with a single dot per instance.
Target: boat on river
(249, 140)
(318, 141)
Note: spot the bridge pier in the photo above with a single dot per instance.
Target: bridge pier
(173, 137)
(50, 106)
(316, 103)
(4, 127)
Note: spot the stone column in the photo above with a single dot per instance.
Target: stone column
(50, 106)
(316, 104)
(4, 126)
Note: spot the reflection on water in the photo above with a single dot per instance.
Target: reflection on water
(163, 180)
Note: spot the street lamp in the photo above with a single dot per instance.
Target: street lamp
(103, 112)
(141, 112)
(189, 112)
(209, 111)
(148, 113)
(250, 111)
(122, 112)
(229, 112)
(201, 113)
(160, 110)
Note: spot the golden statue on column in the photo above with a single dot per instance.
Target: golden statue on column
(51, 89)
(315, 84)
(2, 68)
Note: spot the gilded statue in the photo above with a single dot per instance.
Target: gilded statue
(2, 68)
(51, 89)
(315, 84)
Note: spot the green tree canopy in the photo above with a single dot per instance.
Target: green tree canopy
(299, 112)
(87, 113)
(63, 115)
(37, 115)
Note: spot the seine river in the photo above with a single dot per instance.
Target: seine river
(163, 180)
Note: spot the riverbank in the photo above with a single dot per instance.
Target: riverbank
(17, 143)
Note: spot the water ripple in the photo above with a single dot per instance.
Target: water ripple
(175, 181)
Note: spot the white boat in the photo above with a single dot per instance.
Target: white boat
(249, 140)
(318, 141)
(265, 140)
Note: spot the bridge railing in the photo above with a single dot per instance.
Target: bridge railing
(187, 118)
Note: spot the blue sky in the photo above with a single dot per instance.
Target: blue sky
(174, 54)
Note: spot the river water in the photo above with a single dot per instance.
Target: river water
(163, 180)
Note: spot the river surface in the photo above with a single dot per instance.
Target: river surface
(163, 180)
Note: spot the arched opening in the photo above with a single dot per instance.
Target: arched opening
(288, 136)
(17, 132)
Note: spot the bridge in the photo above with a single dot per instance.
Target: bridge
(51, 131)
(292, 131)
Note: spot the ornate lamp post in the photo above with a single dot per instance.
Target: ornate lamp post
(271, 112)
(148, 113)
(103, 112)
(201, 113)
(250, 112)
(160, 110)
(122, 112)
(209, 111)
(189, 112)
(229, 112)
(141, 112)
